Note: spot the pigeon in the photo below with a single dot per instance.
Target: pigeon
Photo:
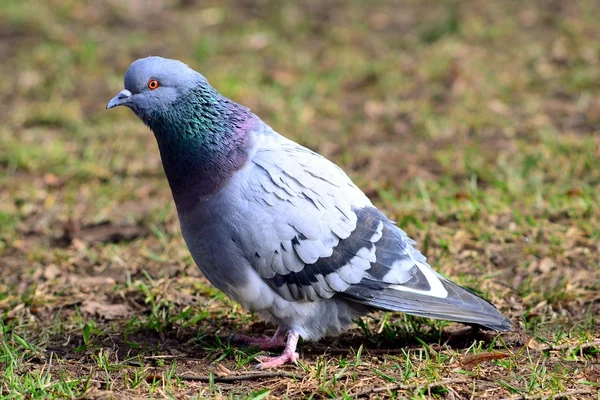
(277, 227)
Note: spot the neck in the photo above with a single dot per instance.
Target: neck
(203, 142)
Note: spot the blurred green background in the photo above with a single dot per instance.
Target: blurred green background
(475, 125)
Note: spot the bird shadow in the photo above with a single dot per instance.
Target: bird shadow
(214, 343)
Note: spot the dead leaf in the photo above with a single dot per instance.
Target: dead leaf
(472, 360)
(462, 196)
(258, 41)
(533, 344)
(89, 284)
(374, 109)
(283, 77)
(379, 20)
(12, 314)
(499, 107)
(527, 18)
(222, 371)
(559, 51)
(106, 311)
(51, 272)
(52, 180)
(546, 265)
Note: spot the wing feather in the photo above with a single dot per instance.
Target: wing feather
(315, 235)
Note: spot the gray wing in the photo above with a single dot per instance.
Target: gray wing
(315, 235)
(303, 211)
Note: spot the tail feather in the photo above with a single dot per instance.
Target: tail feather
(460, 306)
(442, 300)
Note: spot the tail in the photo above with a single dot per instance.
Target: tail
(430, 295)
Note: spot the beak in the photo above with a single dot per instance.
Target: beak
(120, 99)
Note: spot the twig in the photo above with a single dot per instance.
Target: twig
(242, 377)
(407, 387)
(566, 394)
(593, 343)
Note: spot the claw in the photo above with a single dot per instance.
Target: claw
(289, 355)
(271, 362)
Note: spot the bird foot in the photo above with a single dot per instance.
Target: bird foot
(272, 362)
(289, 354)
(263, 343)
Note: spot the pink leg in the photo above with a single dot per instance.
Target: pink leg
(265, 342)
(289, 355)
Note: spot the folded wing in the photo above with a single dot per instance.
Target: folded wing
(315, 235)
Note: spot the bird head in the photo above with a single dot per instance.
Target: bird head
(154, 84)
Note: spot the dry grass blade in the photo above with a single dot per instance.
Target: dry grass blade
(472, 360)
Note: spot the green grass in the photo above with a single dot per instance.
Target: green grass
(475, 127)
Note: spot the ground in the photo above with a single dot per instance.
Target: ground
(474, 125)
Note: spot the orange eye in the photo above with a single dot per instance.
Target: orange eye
(153, 84)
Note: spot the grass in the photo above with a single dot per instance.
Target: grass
(475, 127)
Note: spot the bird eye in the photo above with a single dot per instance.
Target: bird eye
(153, 84)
